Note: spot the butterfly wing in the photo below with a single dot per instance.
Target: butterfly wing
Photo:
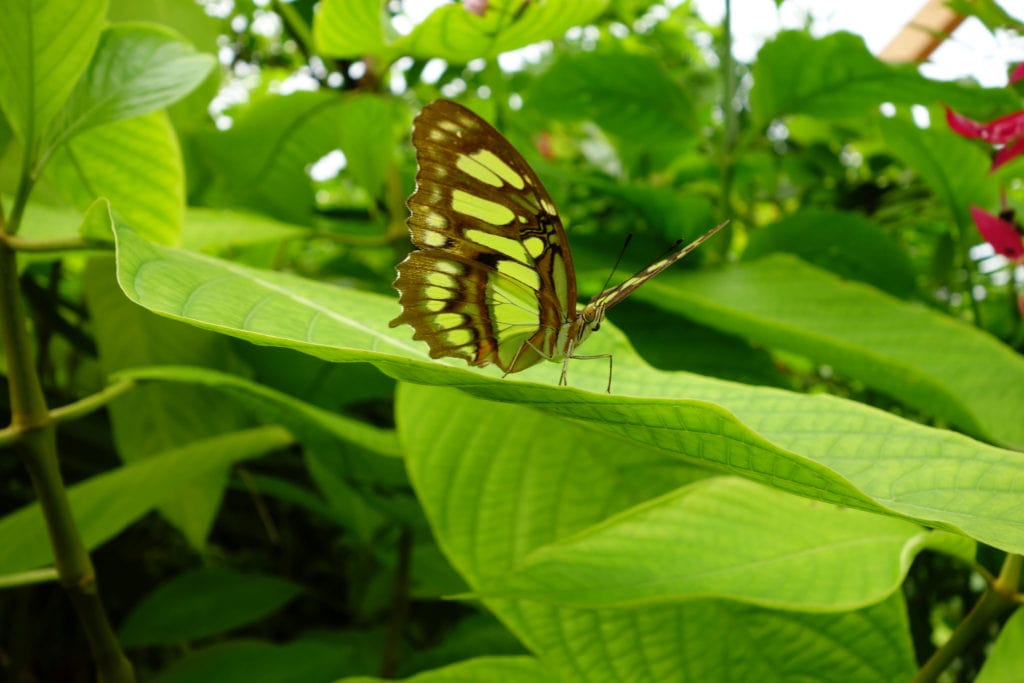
(492, 279)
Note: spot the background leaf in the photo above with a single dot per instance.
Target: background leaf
(136, 164)
(106, 504)
(835, 77)
(47, 46)
(137, 69)
(203, 603)
(461, 468)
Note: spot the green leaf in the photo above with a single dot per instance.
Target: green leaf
(935, 363)
(352, 28)
(137, 69)
(669, 212)
(136, 164)
(456, 35)
(721, 538)
(176, 414)
(836, 77)
(366, 133)
(203, 603)
(215, 230)
(201, 30)
(263, 157)
(846, 244)
(1006, 659)
(303, 419)
(821, 447)
(98, 222)
(47, 45)
(300, 661)
(630, 96)
(328, 439)
(956, 170)
(462, 454)
(505, 669)
(106, 504)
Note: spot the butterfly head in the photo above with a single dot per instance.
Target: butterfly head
(588, 320)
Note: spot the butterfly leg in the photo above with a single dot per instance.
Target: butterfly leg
(519, 351)
(595, 357)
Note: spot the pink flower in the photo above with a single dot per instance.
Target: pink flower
(1002, 234)
(1005, 129)
(1008, 152)
(477, 7)
(1017, 73)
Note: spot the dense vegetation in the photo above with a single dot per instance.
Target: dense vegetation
(809, 467)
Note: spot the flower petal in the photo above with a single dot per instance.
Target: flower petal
(1002, 130)
(1017, 73)
(1001, 234)
(1007, 153)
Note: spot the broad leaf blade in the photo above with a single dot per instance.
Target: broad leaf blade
(567, 478)
(939, 365)
(505, 669)
(455, 34)
(137, 69)
(104, 505)
(44, 47)
(836, 77)
(728, 538)
(136, 164)
(203, 603)
(818, 446)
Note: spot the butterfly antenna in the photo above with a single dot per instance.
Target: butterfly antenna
(618, 261)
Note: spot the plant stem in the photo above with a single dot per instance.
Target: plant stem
(66, 244)
(729, 114)
(998, 599)
(37, 449)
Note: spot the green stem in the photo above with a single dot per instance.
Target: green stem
(731, 131)
(66, 244)
(37, 449)
(998, 599)
(296, 26)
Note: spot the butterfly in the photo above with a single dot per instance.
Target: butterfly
(492, 280)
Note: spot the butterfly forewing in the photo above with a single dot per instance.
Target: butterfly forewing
(492, 280)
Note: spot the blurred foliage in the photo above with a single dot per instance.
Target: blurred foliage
(328, 557)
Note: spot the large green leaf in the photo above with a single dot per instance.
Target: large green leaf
(939, 365)
(104, 505)
(310, 658)
(721, 538)
(455, 34)
(300, 418)
(836, 77)
(203, 603)
(819, 446)
(137, 68)
(847, 244)
(505, 669)
(518, 500)
(630, 96)
(264, 156)
(1006, 659)
(45, 45)
(136, 164)
(353, 28)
